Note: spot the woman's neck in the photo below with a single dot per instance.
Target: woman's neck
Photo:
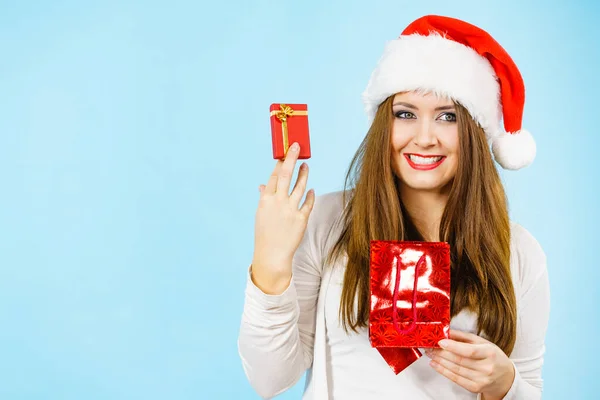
(426, 210)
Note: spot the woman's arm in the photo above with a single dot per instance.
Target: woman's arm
(277, 332)
(533, 314)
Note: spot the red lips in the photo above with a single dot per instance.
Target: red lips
(423, 167)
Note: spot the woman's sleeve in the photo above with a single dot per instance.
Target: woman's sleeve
(533, 310)
(277, 332)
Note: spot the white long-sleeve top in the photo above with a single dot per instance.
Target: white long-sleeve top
(283, 336)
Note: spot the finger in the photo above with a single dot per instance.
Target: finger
(309, 202)
(300, 185)
(454, 377)
(287, 169)
(460, 370)
(272, 183)
(467, 337)
(437, 355)
(468, 350)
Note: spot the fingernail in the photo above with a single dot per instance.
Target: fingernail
(295, 147)
(303, 166)
(443, 343)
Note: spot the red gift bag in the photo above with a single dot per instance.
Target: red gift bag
(410, 298)
(289, 124)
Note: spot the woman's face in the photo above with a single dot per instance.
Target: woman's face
(424, 141)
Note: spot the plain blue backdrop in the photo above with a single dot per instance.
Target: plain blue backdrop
(133, 138)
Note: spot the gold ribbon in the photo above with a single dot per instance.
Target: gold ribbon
(282, 115)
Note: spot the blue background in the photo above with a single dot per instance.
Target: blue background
(134, 136)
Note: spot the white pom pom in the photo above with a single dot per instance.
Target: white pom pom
(514, 151)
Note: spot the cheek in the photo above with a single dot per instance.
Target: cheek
(451, 140)
(399, 140)
(452, 146)
(400, 137)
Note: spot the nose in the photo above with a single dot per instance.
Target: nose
(424, 134)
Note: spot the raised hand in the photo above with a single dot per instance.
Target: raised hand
(280, 224)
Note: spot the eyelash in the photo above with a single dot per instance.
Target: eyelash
(399, 113)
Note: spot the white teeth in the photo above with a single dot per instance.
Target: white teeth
(424, 160)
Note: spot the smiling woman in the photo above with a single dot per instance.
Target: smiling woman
(424, 172)
(424, 141)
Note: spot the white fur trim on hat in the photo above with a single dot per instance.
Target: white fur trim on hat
(441, 66)
(514, 151)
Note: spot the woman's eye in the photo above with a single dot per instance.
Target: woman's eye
(404, 115)
(450, 117)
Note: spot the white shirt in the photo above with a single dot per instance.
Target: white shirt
(282, 336)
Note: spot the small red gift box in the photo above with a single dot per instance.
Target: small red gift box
(410, 298)
(289, 124)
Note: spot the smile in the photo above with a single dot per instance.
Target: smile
(424, 163)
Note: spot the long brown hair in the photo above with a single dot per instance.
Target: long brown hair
(475, 223)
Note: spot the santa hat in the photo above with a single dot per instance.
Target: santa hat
(453, 58)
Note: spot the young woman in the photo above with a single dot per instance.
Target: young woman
(424, 172)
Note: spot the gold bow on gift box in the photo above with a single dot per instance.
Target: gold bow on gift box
(282, 115)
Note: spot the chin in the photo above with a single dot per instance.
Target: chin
(425, 186)
(436, 180)
(426, 181)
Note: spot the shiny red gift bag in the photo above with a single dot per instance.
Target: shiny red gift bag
(289, 124)
(410, 298)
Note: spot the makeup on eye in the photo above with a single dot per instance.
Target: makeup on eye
(448, 114)
(403, 114)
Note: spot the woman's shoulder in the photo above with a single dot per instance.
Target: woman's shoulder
(528, 259)
(326, 220)
(328, 207)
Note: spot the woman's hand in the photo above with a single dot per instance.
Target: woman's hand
(474, 363)
(280, 223)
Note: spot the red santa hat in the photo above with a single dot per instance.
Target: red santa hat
(452, 58)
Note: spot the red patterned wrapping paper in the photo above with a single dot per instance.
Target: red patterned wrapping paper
(408, 310)
(289, 124)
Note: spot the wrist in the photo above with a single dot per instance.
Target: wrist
(503, 386)
(268, 282)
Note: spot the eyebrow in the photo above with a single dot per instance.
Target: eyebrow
(413, 107)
